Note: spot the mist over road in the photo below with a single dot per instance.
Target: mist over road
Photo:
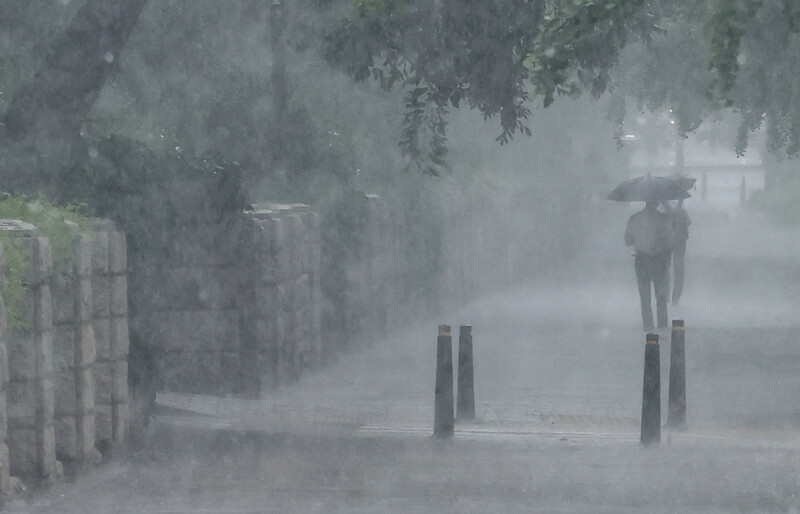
(558, 381)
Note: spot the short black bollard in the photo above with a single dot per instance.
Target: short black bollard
(651, 392)
(443, 419)
(676, 414)
(465, 401)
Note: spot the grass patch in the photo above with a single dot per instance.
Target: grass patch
(58, 224)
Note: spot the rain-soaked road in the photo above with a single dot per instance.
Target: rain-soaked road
(558, 379)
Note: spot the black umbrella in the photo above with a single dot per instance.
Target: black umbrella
(648, 188)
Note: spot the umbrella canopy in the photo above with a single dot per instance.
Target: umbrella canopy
(685, 182)
(648, 188)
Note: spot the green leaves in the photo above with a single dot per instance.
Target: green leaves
(442, 54)
(489, 55)
(724, 31)
(579, 44)
(754, 48)
(51, 221)
(696, 57)
(424, 130)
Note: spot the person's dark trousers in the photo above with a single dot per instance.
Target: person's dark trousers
(653, 269)
(678, 261)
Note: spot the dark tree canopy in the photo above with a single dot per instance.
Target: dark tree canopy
(755, 52)
(487, 54)
(484, 54)
(498, 56)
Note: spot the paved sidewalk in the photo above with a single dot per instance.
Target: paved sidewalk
(563, 356)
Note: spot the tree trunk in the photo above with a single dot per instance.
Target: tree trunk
(56, 101)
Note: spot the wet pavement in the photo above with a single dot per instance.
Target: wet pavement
(558, 387)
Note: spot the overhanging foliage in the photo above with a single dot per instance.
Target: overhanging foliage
(488, 55)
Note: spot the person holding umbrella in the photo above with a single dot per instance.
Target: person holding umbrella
(680, 227)
(650, 233)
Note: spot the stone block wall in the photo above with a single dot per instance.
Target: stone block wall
(242, 311)
(196, 332)
(74, 356)
(242, 303)
(4, 377)
(282, 310)
(109, 320)
(62, 381)
(31, 393)
(372, 275)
